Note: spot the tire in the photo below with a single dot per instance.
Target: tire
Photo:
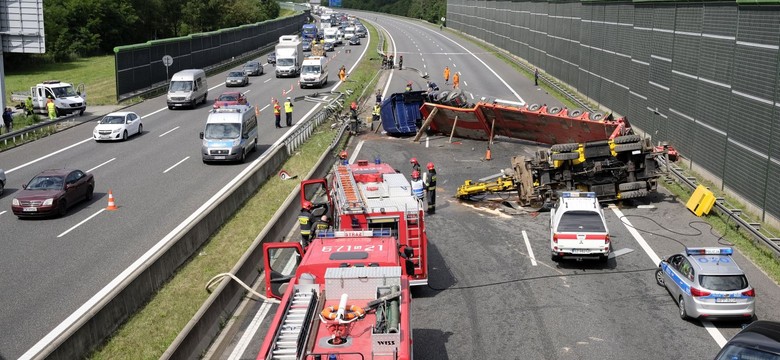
(140, 129)
(597, 116)
(628, 147)
(633, 194)
(603, 259)
(534, 107)
(62, 208)
(565, 156)
(681, 305)
(636, 185)
(124, 135)
(243, 156)
(555, 258)
(254, 146)
(553, 110)
(575, 113)
(194, 103)
(625, 139)
(81, 112)
(560, 148)
(659, 277)
(90, 193)
(2, 187)
(170, 107)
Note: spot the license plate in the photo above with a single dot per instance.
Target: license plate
(725, 300)
(30, 209)
(105, 136)
(580, 251)
(219, 158)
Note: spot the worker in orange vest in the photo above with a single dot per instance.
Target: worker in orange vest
(343, 73)
(456, 80)
(446, 74)
(277, 113)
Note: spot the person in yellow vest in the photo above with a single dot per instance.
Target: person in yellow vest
(288, 109)
(456, 80)
(446, 74)
(277, 114)
(52, 109)
(375, 115)
(343, 73)
(28, 105)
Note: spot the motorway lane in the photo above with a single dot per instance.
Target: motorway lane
(47, 277)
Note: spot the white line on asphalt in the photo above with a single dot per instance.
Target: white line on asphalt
(465, 83)
(216, 86)
(449, 58)
(247, 92)
(152, 113)
(424, 66)
(3, 212)
(47, 156)
(714, 332)
(248, 335)
(267, 80)
(395, 52)
(82, 222)
(472, 96)
(357, 151)
(265, 107)
(90, 170)
(453, 65)
(176, 164)
(168, 132)
(528, 246)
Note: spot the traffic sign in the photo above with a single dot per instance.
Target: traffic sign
(167, 60)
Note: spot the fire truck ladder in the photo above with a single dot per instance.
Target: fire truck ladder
(291, 336)
(413, 237)
(350, 201)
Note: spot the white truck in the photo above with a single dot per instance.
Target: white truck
(289, 56)
(314, 72)
(67, 99)
(349, 32)
(332, 36)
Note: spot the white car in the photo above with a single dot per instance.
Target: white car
(118, 126)
(578, 229)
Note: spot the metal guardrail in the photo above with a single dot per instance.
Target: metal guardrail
(723, 207)
(25, 132)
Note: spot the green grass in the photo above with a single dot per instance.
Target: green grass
(148, 333)
(286, 12)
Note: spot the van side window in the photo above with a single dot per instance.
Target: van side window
(249, 125)
(198, 83)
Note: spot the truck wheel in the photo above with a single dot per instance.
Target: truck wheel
(534, 107)
(633, 194)
(625, 139)
(560, 148)
(565, 156)
(636, 185)
(82, 112)
(628, 147)
(575, 113)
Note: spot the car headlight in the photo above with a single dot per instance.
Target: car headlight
(115, 131)
(15, 202)
(237, 142)
(48, 202)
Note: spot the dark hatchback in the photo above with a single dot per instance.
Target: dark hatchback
(52, 192)
(272, 58)
(760, 341)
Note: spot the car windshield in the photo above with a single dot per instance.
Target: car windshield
(581, 221)
(227, 97)
(236, 74)
(222, 131)
(736, 351)
(250, 66)
(285, 62)
(64, 91)
(113, 120)
(723, 282)
(46, 183)
(311, 69)
(181, 86)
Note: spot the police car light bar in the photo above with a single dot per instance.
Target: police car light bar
(709, 251)
(570, 194)
(355, 233)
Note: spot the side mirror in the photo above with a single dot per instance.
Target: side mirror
(245, 136)
(201, 134)
(68, 186)
(24, 186)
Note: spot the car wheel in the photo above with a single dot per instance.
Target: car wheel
(124, 135)
(193, 103)
(555, 258)
(170, 107)
(659, 277)
(90, 192)
(63, 208)
(243, 156)
(140, 129)
(82, 112)
(603, 259)
(2, 187)
(683, 313)
(254, 148)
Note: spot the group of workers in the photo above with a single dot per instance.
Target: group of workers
(288, 110)
(432, 85)
(424, 187)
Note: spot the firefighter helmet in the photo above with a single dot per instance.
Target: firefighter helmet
(343, 154)
(430, 166)
(307, 205)
(413, 161)
(353, 106)
(415, 174)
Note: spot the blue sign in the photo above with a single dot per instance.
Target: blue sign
(334, 3)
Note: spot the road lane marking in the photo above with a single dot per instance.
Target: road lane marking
(168, 132)
(711, 329)
(90, 170)
(357, 151)
(395, 52)
(528, 246)
(620, 252)
(3, 212)
(453, 65)
(465, 83)
(152, 113)
(472, 96)
(176, 164)
(269, 79)
(265, 107)
(47, 156)
(82, 222)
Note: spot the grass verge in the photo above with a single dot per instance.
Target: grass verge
(148, 333)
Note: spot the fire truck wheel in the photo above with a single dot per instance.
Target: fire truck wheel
(625, 139)
(628, 147)
(636, 185)
(565, 156)
(559, 148)
(633, 194)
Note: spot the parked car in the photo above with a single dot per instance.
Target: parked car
(272, 58)
(230, 98)
(237, 78)
(118, 126)
(52, 192)
(329, 46)
(355, 40)
(253, 68)
(759, 340)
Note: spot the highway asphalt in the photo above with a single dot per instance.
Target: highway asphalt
(494, 292)
(49, 268)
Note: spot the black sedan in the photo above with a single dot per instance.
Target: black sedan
(272, 58)
(52, 192)
(329, 46)
(354, 40)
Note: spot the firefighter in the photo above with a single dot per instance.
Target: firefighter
(418, 188)
(277, 114)
(343, 73)
(430, 187)
(432, 86)
(536, 77)
(52, 109)
(353, 117)
(401, 62)
(288, 109)
(447, 75)
(305, 221)
(415, 164)
(375, 115)
(28, 106)
(378, 96)
(456, 80)
(391, 62)
(321, 226)
(343, 157)
(408, 87)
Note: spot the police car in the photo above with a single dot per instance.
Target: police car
(707, 283)
(578, 229)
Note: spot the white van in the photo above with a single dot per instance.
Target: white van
(349, 32)
(314, 72)
(187, 88)
(231, 133)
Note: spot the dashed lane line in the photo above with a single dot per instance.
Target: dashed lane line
(176, 164)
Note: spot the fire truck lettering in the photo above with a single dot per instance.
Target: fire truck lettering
(346, 248)
(386, 342)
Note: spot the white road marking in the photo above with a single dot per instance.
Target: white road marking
(243, 343)
(424, 66)
(453, 65)
(168, 132)
(267, 80)
(265, 107)
(449, 58)
(176, 164)
(472, 96)
(3, 212)
(395, 49)
(357, 151)
(47, 156)
(528, 246)
(152, 113)
(247, 92)
(620, 252)
(82, 222)
(711, 329)
(90, 170)
(465, 83)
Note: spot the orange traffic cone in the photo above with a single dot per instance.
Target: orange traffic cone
(487, 155)
(111, 204)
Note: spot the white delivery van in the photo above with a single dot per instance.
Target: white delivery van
(231, 133)
(289, 56)
(331, 35)
(349, 32)
(187, 88)
(314, 72)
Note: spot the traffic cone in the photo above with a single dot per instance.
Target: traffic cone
(487, 155)
(111, 204)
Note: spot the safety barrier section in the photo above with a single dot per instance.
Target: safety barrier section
(701, 201)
